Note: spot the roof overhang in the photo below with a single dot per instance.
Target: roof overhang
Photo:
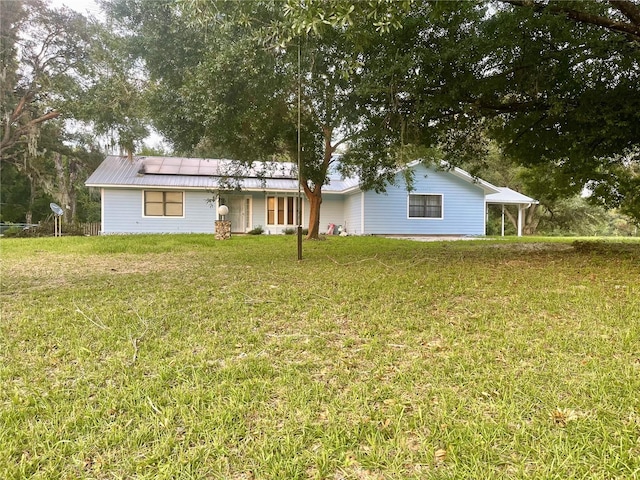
(507, 196)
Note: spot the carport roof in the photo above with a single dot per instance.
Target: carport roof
(507, 196)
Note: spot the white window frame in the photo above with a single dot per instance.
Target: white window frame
(286, 210)
(144, 215)
(421, 194)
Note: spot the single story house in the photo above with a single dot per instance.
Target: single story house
(181, 195)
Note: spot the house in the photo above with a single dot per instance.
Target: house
(181, 195)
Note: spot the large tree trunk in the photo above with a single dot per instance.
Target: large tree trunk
(314, 196)
(529, 220)
(315, 200)
(66, 172)
(32, 199)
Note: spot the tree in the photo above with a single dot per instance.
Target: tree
(59, 66)
(114, 103)
(44, 53)
(565, 92)
(555, 82)
(234, 87)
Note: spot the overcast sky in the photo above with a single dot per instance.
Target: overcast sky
(82, 6)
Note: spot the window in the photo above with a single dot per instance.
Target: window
(163, 204)
(425, 206)
(281, 210)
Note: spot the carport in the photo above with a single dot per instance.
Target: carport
(506, 196)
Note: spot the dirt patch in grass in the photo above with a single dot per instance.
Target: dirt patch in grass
(605, 247)
(533, 247)
(44, 270)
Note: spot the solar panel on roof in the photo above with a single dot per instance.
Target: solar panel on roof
(216, 167)
(169, 169)
(189, 170)
(172, 161)
(207, 169)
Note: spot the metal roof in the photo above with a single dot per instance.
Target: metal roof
(216, 174)
(202, 173)
(507, 196)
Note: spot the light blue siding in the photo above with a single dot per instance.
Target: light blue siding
(463, 210)
(463, 207)
(123, 213)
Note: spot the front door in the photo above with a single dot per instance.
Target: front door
(239, 212)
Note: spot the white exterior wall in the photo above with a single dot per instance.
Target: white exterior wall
(463, 207)
(353, 213)
(122, 212)
(331, 211)
(260, 212)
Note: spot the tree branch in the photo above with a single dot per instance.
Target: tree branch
(512, 107)
(12, 135)
(626, 7)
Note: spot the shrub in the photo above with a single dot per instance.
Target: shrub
(44, 229)
(256, 230)
(293, 231)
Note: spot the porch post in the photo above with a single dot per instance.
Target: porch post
(519, 220)
(502, 230)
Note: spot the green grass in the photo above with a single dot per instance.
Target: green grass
(182, 357)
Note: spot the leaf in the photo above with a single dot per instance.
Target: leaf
(562, 416)
(440, 456)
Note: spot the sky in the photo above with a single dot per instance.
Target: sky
(82, 6)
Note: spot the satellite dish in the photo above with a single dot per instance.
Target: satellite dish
(57, 209)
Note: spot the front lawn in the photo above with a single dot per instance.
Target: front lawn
(182, 357)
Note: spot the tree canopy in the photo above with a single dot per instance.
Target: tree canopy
(554, 83)
(44, 54)
(58, 71)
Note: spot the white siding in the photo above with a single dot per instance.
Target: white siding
(259, 210)
(463, 207)
(123, 213)
(331, 211)
(353, 212)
